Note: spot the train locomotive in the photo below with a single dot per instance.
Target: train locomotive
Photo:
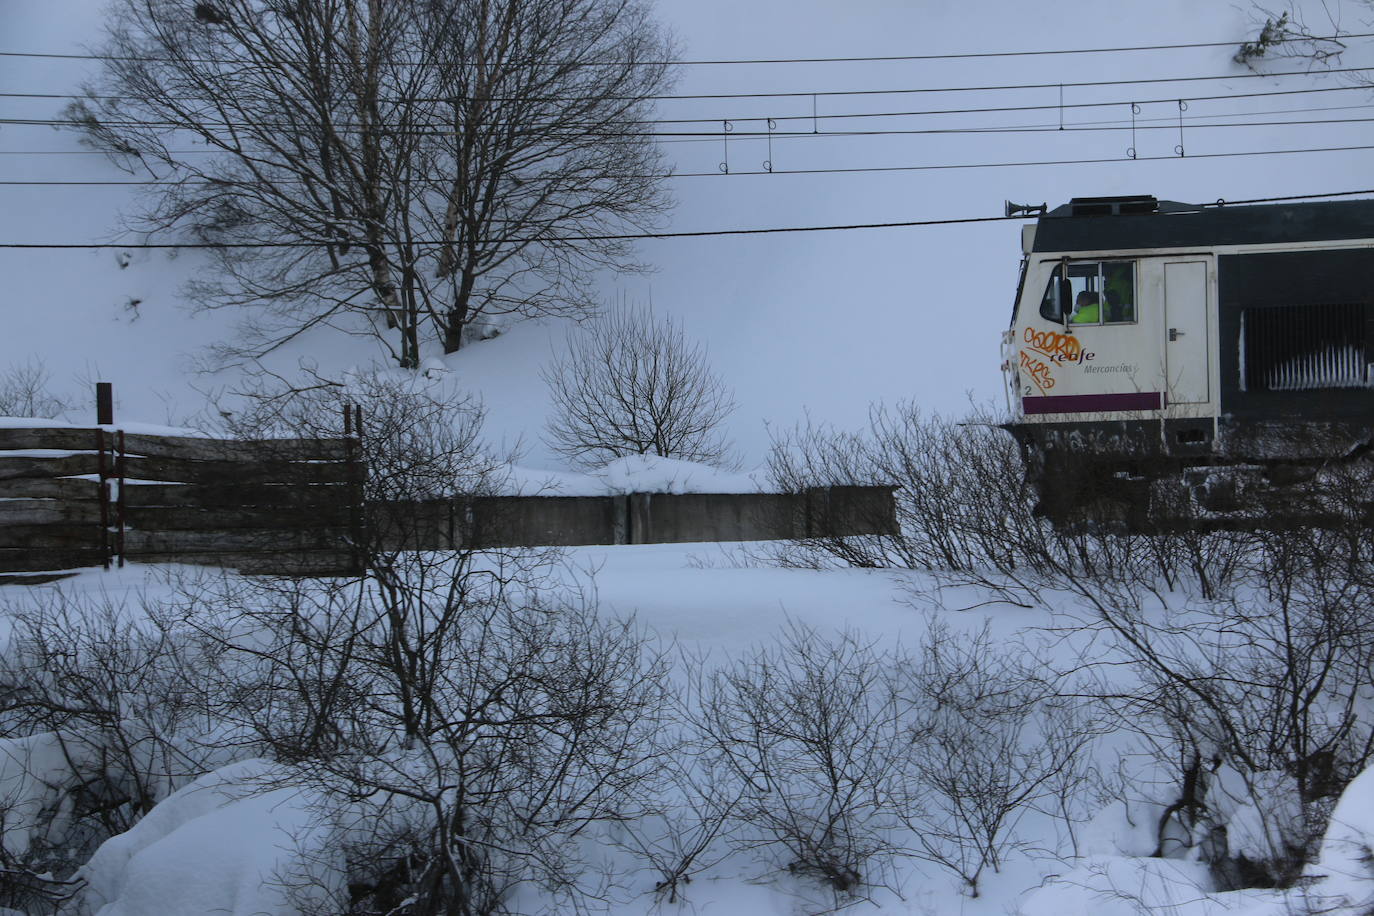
(1222, 352)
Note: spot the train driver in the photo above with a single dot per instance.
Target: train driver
(1085, 308)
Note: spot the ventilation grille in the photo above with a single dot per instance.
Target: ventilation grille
(1302, 347)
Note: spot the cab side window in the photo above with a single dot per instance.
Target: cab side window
(1093, 293)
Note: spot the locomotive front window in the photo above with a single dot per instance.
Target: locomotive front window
(1094, 293)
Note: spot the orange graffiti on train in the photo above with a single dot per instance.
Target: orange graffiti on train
(1052, 343)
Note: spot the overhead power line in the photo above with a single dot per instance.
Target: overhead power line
(772, 230)
(1078, 84)
(706, 136)
(820, 93)
(998, 109)
(967, 55)
(814, 118)
(976, 55)
(1169, 122)
(754, 173)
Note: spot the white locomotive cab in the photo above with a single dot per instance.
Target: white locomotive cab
(1159, 347)
(1113, 335)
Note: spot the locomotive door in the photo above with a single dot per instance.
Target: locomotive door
(1185, 323)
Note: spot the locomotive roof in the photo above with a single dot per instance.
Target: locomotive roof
(1176, 225)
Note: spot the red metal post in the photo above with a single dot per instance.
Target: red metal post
(103, 494)
(119, 505)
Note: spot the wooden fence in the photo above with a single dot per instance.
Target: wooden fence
(82, 497)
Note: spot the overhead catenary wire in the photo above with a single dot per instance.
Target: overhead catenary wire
(999, 109)
(811, 171)
(770, 230)
(960, 55)
(1169, 122)
(821, 93)
(1152, 124)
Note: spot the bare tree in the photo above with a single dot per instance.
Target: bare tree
(430, 165)
(1285, 34)
(631, 384)
(25, 392)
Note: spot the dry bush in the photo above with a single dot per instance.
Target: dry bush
(810, 731)
(966, 511)
(1270, 684)
(630, 383)
(103, 715)
(988, 740)
(493, 725)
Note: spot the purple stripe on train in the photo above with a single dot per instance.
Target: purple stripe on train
(1093, 403)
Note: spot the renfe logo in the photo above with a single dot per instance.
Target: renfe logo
(1058, 348)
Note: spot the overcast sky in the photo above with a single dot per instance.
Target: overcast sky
(917, 312)
(821, 323)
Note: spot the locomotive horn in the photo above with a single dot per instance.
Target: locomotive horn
(1019, 209)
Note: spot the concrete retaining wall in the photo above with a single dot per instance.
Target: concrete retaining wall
(637, 518)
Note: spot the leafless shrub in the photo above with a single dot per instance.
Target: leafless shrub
(966, 512)
(25, 392)
(420, 437)
(988, 740)
(1269, 684)
(810, 729)
(949, 475)
(690, 818)
(631, 384)
(491, 724)
(852, 758)
(419, 443)
(102, 716)
(467, 726)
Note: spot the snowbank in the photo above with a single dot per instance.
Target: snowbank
(230, 843)
(1346, 860)
(634, 474)
(33, 772)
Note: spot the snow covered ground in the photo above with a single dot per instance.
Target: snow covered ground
(235, 840)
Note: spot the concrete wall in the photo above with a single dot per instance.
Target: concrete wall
(547, 521)
(639, 518)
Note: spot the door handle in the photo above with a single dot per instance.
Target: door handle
(1175, 334)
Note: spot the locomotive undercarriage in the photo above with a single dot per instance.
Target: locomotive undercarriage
(1196, 473)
